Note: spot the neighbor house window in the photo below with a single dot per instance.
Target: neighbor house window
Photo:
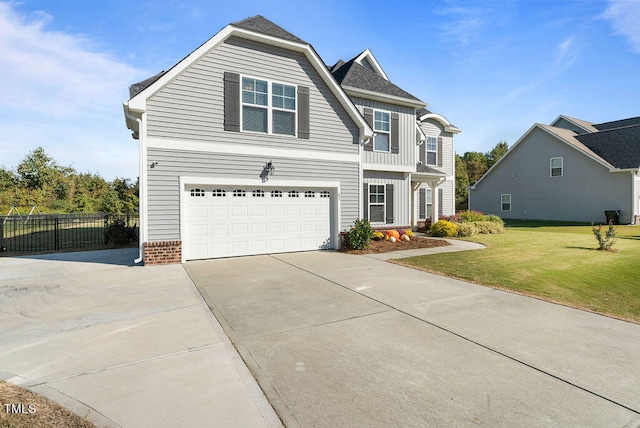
(376, 203)
(382, 128)
(556, 167)
(431, 150)
(268, 107)
(506, 202)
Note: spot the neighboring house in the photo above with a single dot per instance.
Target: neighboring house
(571, 170)
(252, 145)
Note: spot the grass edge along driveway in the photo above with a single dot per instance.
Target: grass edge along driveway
(554, 263)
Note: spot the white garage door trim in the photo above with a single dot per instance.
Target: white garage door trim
(186, 183)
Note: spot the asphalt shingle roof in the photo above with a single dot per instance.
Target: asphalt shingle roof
(260, 24)
(618, 146)
(617, 124)
(356, 76)
(136, 88)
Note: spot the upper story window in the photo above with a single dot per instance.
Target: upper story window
(556, 166)
(431, 149)
(268, 107)
(382, 128)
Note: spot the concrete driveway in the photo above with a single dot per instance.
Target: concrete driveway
(126, 346)
(339, 340)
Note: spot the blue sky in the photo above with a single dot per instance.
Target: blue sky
(493, 68)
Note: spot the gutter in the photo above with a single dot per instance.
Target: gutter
(142, 184)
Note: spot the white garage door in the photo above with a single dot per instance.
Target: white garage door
(238, 220)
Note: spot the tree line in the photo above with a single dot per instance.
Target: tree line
(39, 180)
(471, 166)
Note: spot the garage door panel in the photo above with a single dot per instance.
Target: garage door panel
(225, 221)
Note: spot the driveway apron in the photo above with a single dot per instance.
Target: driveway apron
(343, 340)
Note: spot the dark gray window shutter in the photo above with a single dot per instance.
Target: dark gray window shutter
(389, 202)
(365, 201)
(368, 117)
(440, 197)
(395, 134)
(303, 112)
(231, 102)
(422, 149)
(422, 203)
(440, 152)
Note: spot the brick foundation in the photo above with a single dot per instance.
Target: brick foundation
(162, 252)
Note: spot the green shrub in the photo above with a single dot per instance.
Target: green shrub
(466, 229)
(489, 227)
(494, 218)
(444, 228)
(118, 233)
(471, 216)
(604, 242)
(360, 235)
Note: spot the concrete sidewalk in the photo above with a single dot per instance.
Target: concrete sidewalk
(343, 340)
(125, 346)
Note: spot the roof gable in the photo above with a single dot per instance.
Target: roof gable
(266, 33)
(580, 124)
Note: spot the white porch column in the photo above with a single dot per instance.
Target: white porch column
(435, 208)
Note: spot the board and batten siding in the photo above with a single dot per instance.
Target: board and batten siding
(583, 193)
(432, 128)
(401, 191)
(406, 130)
(191, 106)
(164, 181)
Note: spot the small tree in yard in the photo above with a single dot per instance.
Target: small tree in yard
(606, 241)
(360, 235)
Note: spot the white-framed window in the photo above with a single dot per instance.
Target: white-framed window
(505, 202)
(258, 193)
(431, 150)
(293, 194)
(239, 193)
(376, 203)
(382, 128)
(197, 192)
(276, 193)
(556, 167)
(268, 107)
(325, 194)
(309, 194)
(218, 193)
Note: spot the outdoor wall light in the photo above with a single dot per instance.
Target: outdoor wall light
(153, 164)
(270, 168)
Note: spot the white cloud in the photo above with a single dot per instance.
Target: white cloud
(60, 92)
(624, 16)
(464, 25)
(566, 53)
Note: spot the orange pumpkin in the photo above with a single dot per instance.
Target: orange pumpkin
(394, 233)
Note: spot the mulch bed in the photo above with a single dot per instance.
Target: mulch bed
(383, 246)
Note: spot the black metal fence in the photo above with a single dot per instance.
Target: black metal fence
(58, 232)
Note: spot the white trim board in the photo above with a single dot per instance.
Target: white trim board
(248, 149)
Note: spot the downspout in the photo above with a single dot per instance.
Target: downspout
(142, 184)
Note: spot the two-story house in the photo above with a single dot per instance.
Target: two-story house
(252, 145)
(570, 170)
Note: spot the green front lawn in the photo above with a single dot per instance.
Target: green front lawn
(557, 263)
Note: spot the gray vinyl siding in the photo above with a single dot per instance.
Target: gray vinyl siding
(432, 128)
(406, 133)
(583, 193)
(402, 195)
(164, 181)
(190, 107)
